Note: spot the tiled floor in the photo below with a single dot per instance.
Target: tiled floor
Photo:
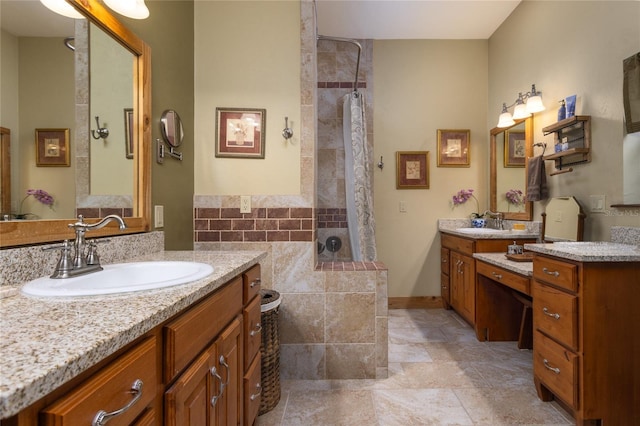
(439, 374)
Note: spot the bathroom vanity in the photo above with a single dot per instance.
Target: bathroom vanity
(586, 344)
(182, 355)
(458, 267)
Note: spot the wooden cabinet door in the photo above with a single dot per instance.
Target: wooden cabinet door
(230, 365)
(468, 288)
(188, 401)
(462, 281)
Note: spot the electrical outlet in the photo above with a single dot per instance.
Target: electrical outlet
(597, 203)
(403, 207)
(245, 204)
(557, 216)
(158, 216)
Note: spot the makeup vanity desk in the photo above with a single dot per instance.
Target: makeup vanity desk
(586, 345)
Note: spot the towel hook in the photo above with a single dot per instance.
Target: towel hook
(380, 163)
(287, 133)
(102, 132)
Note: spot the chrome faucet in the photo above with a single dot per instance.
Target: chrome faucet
(498, 218)
(82, 263)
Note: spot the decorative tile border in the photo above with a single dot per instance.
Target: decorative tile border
(340, 85)
(331, 218)
(351, 266)
(262, 224)
(104, 211)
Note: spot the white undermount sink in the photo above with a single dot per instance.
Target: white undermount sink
(482, 231)
(121, 278)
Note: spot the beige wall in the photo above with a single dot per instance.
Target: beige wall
(570, 48)
(169, 33)
(245, 57)
(421, 86)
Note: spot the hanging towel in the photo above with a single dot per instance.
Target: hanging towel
(536, 180)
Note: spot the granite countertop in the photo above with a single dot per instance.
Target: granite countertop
(499, 259)
(453, 226)
(587, 251)
(47, 341)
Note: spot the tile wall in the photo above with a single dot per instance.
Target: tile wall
(333, 323)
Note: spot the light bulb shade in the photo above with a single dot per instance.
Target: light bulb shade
(505, 120)
(534, 103)
(135, 9)
(520, 111)
(61, 7)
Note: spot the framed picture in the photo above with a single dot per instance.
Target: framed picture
(52, 147)
(412, 170)
(514, 148)
(454, 148)
(240, 132)
(631, 92)
(128, 132)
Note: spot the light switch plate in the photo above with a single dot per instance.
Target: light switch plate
(598, 203)
(403, 207)
(158, 216)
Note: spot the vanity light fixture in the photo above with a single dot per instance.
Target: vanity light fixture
(135, 9)
(525, 105)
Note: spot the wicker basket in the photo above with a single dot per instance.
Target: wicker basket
(270, 348)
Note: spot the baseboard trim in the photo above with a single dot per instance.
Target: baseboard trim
(416, 302)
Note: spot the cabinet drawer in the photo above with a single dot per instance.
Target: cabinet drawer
(458, 244)
(558, 273)
(109, 390)
(510, 279)
(252, 330)
(556, 367)
(251, 284)
(444, 260)
(252, 391)
(555, 313)
(190, 333)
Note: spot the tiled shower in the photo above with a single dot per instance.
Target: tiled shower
(336, 76)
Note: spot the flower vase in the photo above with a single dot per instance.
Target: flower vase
(478, 222)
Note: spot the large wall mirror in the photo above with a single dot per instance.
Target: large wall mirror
(510, 149)
(93, 179)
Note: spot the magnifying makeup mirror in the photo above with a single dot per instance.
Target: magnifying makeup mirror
(172, 134)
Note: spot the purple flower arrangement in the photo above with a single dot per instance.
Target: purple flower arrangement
(515, 197)
(463, 196)
(40, 195)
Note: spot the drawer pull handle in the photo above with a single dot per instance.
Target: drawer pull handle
(255, 283)
(226, 366)
(255, 395)
(498, 276)
(548, 272)
(214, 373)
(549, 314)
(444, 260)
(444, 287)
(257, 330)
(549, 367)
(103, 417)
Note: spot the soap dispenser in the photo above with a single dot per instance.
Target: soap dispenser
(562, 112)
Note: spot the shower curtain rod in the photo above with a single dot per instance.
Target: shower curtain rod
(347, 40)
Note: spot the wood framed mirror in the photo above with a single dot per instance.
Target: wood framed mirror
(16, 233)
(510, 149)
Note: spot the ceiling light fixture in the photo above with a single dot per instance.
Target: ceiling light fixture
(135, 9)
(525, 105)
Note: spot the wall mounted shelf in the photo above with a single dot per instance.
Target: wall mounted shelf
(576, 133)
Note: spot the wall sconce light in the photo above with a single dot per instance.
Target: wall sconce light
(101, 133)
(135, 9)
(525, 105)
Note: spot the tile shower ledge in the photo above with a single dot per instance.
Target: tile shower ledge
(40, 347)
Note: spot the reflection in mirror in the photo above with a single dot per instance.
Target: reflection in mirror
(563, 220)
(171, 127)
(13, 233)
(510, 149)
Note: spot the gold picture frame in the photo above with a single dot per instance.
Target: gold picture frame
(515, 151)
(412, 169)
(454, 148)
(52, 148)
